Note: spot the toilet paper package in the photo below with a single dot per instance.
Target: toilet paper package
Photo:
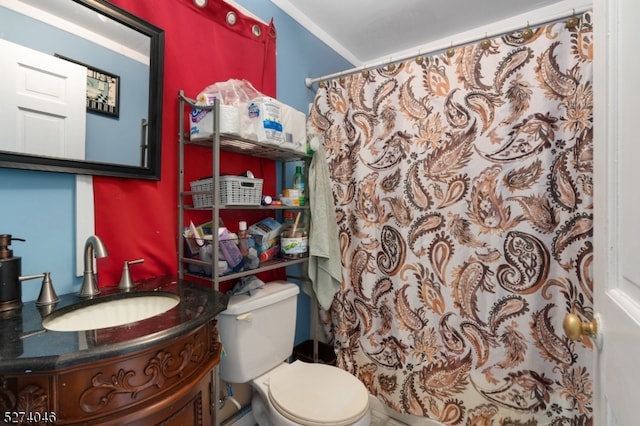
(230, 93)
(246, 112)
(261, 120)
(294, 127)
(201, 122)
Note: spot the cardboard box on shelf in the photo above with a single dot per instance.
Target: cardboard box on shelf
(265, 233)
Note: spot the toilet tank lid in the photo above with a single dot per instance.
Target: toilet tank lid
(271, 293)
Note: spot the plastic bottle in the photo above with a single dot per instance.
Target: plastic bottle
(251, 261)
(230, 250)
(243, 237)
(294, 237)
(299, 184)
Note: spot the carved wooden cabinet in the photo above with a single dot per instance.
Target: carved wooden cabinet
(171, 383)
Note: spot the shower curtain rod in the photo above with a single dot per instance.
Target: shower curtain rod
(555, 18)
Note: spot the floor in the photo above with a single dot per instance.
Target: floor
(384, 416)
(379, 417)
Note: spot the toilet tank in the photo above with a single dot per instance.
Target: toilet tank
(257, 332)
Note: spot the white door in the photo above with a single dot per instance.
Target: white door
(617, 211)
(43, 108)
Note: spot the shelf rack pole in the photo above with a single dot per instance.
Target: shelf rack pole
(180, 182)
(215, 224)
(215, 220)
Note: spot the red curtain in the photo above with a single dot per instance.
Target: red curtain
(138, 218)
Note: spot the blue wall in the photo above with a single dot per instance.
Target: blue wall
(299, 55)
(40, 206)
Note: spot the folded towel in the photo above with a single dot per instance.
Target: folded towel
(325, 265)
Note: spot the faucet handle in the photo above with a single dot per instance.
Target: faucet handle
(47, 295)
(126, 283)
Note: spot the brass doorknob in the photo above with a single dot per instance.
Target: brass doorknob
(575, 329)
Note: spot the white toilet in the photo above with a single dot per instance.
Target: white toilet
(257, 334)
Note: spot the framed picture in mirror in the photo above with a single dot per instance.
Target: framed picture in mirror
(103, 90)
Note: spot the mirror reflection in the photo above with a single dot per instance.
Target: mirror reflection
(84, 93)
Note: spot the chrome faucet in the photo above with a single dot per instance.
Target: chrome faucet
(93, 247)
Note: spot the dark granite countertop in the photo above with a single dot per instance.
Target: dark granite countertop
(27, 347)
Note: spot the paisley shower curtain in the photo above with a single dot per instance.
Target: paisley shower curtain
(463, 191)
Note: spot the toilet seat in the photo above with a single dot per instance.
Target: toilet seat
(318, 395)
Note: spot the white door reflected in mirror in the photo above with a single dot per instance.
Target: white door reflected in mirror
(43, 107)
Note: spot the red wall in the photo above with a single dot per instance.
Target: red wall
(137, 218)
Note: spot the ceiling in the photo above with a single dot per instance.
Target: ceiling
(367, 31)
(87, 23)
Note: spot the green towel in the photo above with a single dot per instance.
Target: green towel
(325, 265)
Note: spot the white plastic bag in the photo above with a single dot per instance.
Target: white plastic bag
(231, 92)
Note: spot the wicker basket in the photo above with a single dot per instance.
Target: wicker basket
(234, 190)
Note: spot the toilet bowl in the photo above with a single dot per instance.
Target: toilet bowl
(309, 394)
(257, 333)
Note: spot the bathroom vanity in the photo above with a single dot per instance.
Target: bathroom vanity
(159, 370)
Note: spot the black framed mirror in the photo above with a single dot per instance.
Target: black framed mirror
(122, 57)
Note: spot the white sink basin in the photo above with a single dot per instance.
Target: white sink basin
(110, 311)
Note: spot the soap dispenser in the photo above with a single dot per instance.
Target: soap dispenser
(10, 270)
